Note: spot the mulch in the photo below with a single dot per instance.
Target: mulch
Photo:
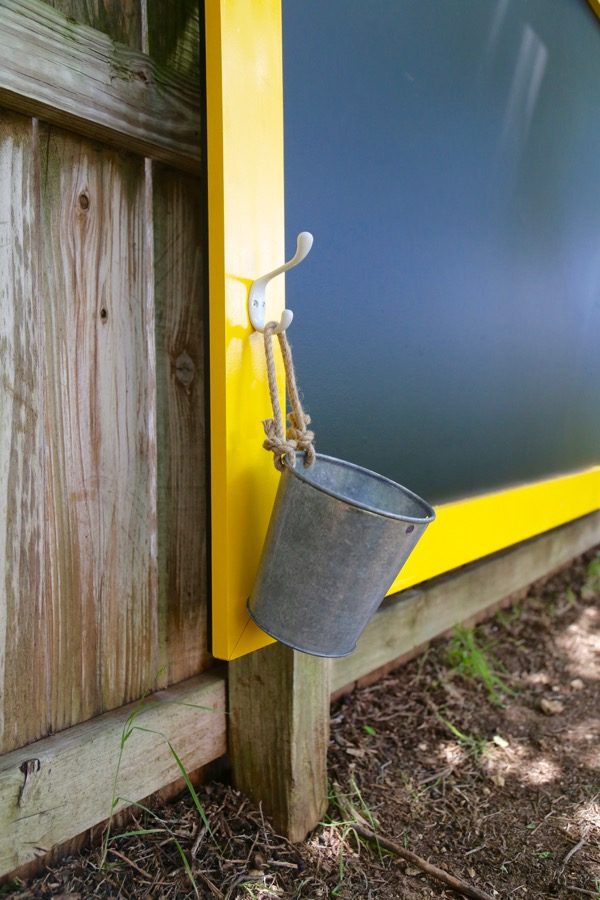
(482, 756)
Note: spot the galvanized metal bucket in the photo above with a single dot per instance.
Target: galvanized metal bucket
(339, 534)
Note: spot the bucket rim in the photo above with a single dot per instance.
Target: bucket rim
(374, 510)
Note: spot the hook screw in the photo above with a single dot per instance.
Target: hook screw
(257, 302)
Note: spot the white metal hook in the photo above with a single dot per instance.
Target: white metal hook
(257, 302)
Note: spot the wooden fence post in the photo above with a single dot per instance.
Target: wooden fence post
(278, 734)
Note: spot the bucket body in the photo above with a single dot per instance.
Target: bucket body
(338, 536)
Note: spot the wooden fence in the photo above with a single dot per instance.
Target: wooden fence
(103, 484)
(278, 712)
(102, 312)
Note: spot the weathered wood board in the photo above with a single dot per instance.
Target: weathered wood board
(121, 20)
(103, 582)
(23, 611)
(181, 310)
(60, 786)
(77, 77)
(101, 568)
(278, 734)
(173, 32)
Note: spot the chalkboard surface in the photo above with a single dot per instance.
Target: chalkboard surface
(446, 158)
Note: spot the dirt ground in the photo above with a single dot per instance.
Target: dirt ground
(482, 756)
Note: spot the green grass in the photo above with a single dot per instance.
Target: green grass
(354, 810)
(591, 586)
(476, 746)
(11, 887)
(510, 616)
(474, 662)
(130, 727)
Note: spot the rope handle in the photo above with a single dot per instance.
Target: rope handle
(284, 446)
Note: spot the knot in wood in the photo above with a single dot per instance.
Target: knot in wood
(185, 370)
(29, 768)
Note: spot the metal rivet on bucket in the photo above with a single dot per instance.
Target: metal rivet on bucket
(339, 534)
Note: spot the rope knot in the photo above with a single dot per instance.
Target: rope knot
(284, 451)
(299, 437)
(302, 436)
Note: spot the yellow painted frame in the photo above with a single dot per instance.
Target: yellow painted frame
(477, 526)
(246, 239)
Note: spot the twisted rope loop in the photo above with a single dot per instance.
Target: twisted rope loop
(284, 445)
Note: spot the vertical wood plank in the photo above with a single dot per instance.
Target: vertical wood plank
(23, 682)
(174, 35)
(279, 733)
(79, 540)
(119, 19)
(171, 36)
(100, 447)
(179, 247)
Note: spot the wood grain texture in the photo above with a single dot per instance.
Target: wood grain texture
(181, 308)
(100, 505)
(77, 77)
(279, 733)
(174, 36)
(121, 20)
(23, 612)
(421, 614)
(92, 837)
(37, 809)
(95, 596)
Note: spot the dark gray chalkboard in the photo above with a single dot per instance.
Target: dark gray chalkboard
(446, 156)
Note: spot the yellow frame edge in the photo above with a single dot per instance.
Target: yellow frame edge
(477, 526)
(246, 239)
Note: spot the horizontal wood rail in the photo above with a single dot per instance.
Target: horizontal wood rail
(414, 617)
(56, 788)
(76, 77)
